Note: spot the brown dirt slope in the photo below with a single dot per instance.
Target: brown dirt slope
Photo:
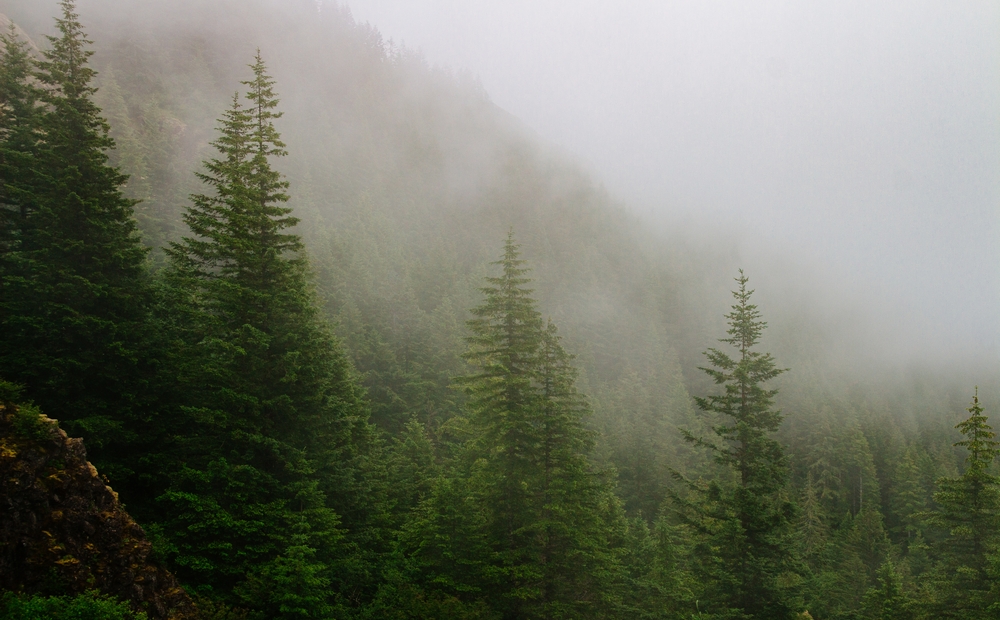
(62, 529)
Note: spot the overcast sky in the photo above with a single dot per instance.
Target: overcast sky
(865, 135)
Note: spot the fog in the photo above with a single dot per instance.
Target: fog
(846, 154)
(336, 398)
(858, 139)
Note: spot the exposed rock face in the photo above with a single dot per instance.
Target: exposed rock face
(63, 531)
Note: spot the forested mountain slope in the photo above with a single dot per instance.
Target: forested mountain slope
(404, 176)
(406, 179)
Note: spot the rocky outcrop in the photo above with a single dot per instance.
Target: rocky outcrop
(62, 529)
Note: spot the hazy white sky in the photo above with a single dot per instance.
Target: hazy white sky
(866, 134)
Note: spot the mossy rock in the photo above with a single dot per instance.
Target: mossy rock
(65, 532)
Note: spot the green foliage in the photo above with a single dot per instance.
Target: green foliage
(547, 515)
(212, 609)
(745, 527)
(239, 411)
(400, 599)
(746, 406)
(18, 145)
(447, 543)
(293, 585)
(888, 601)
(638, 419)
(968, 511)
(867, 546)
(275, 463)
(30, 424)
(10, 392)
(413, 469)
(658, 580)
(74, 294)
(91, 606)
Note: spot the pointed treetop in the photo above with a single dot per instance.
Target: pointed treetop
(13, 44)
(15, 69)
(264, 101)
(980, 436)
(511, 263)
(65, 63)
(744, 321)
(506, 326)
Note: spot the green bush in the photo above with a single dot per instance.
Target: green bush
(89, 606)
(28, 423)
(9, 392)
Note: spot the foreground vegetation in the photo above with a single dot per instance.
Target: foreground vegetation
(421, 465)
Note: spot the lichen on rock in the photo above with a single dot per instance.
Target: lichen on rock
(63, 530)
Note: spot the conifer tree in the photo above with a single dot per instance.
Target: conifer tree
(908, 501)
(506, 335)
(548, 514)
(75, 296)
(746, 525)
(888, 601)
(864, 550)
(18, 144)
(811, 529)
(446, 540)
(276, 436)
(968, 510)
(574, 499)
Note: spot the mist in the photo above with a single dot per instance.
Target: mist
(249, 257)
(859, 139)
(845, 154)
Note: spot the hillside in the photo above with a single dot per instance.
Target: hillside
(406, 179)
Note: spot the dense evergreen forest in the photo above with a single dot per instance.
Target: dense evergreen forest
(350, 343)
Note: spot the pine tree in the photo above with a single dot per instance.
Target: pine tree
(909, 498)
(865, 549)
(18, 144)
(968, 510)
(503, 400)
(658, 584)
(746, 525)
(547, 513)
(276, 438)
(811, 529)
(575, 500)
(446, 541)
(888, 601)
(75, 298)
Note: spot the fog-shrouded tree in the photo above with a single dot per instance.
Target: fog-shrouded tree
(19, 110)
(548, 515)
(75, 292)
(968, 512)
(747, 561)
(274, 493)
(888, 601)
(237, 435)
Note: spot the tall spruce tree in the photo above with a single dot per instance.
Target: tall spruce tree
(574, 531)
(746, 525)
(75, 296)
(503, 404)
(18, 143)
(968, 511)
(273, 446)
(548, 515)
(888, 601)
